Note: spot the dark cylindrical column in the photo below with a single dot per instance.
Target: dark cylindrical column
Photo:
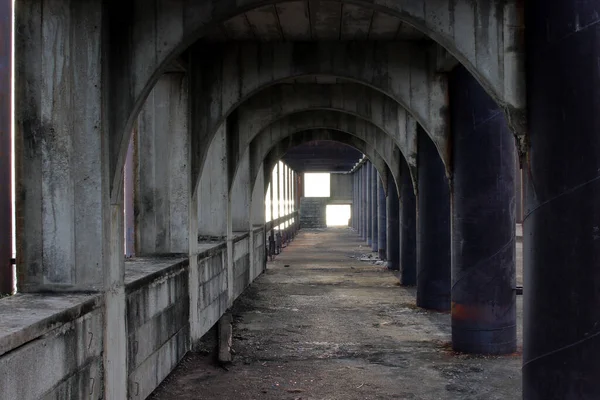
(408, 231)
(433, 228)
(374, 217)
(6, 268)
(354, 188)
(483, 221)
(381, 216)
(369, 185)
(393, 226)
(561, 238)
(364, 202)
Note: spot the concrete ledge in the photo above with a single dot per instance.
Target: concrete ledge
(25, 317)
(141, 271)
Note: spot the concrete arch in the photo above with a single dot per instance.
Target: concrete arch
(279, 149)
(350, 98)
(375, 138)
(404, 74)
(485, 36)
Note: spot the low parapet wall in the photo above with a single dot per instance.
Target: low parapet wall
(51, 346)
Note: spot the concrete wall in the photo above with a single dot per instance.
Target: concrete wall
(65, 362)
(313, 212)
(59, 338)
(241, 264)
(341, 187)
(157, 327)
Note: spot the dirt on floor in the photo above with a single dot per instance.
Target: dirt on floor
(320, 324)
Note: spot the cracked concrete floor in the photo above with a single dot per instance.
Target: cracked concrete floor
(321, 325)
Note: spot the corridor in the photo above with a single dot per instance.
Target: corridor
(320, 324)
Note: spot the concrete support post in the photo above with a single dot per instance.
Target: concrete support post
(393, 227)
(6, 268)
(162, 183)
(369, 201)
(69, 219)
(374, 214)
(433, 228)
(562, 212)
(129, 189)
(358, 201)
(364, 208)
(62, 148)
(214, 214)
(381, 223)
(408, 231)
(483, 221)
(241, 196)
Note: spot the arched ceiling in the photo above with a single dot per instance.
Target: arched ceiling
(313, 20)
(322, 156)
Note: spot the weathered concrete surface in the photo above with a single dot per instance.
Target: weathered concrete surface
(484, 35)
(237, 71)
(330, 327)
(162, 177)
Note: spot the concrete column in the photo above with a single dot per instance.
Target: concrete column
(162, 183)
(62, 151)
(562, 212)
(258, 200)
(213, 190)
(374, 214)
(6, 268)
(393, 226)
(369, 205)
(433, 228)
(241, 196)
(129, 189)
(408, 231)
(381, 223)
(69, 222)
(365, 202)
(358, 201)
(483, 221)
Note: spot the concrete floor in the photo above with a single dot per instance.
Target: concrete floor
(321, 325)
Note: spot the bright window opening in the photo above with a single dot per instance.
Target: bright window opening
(338, 214)
(316, 185)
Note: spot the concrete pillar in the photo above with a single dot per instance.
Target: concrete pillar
(129, 182)
(69, 216)
(258, 200)
(433, 228)
(374, 214)
(6, 268)
(381, 223)
(365, 201)
(483, 221)
(213, 190)
(241, 196)
(358, 206)
(393, 226)
(562, 212)
(63, 206)
(408, 231)
(162, 183)
(369, 201)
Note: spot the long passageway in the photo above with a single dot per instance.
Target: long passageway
(320, 324)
